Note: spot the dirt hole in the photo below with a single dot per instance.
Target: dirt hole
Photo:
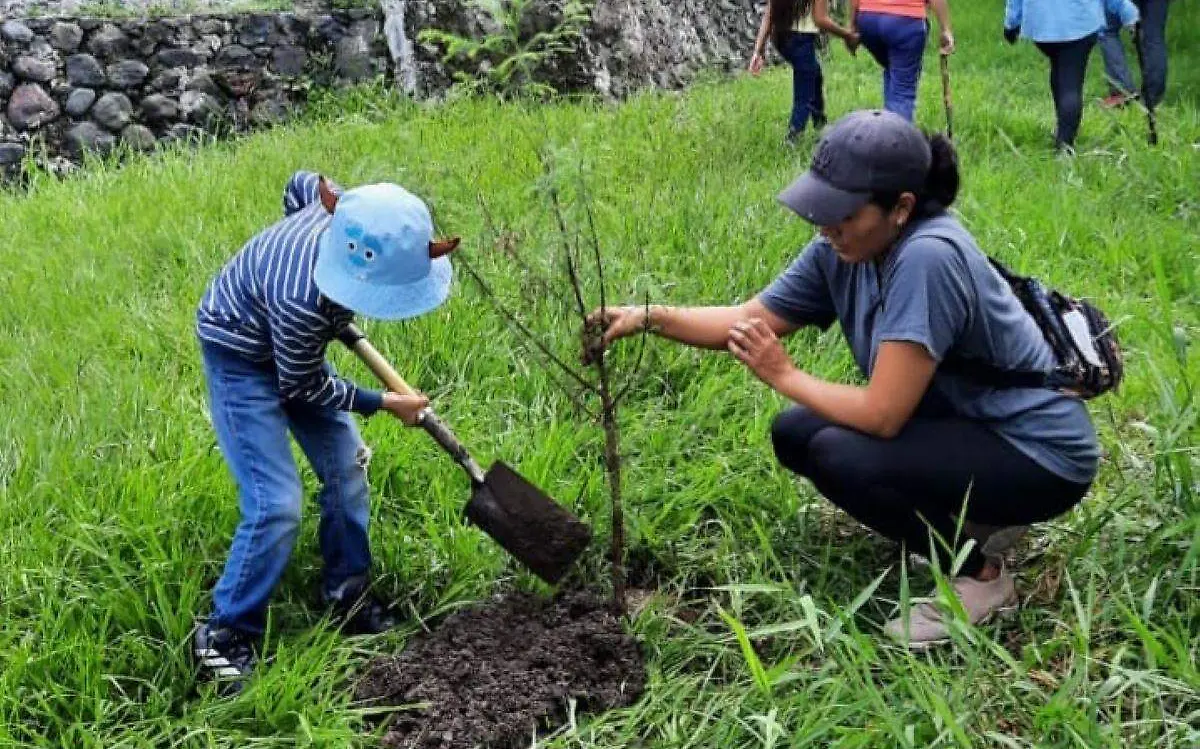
(489, 674)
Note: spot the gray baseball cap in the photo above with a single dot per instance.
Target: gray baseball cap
(862, 153)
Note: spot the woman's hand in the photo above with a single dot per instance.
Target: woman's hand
(756, 345)
(947, 42)
(852, 41)
(614, 322)
(619, 322)
(756, 63)
(406, 408)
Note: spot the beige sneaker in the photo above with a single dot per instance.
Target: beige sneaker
(980, 600)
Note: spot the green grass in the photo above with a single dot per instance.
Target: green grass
(116, 509)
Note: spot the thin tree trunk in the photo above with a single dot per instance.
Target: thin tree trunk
(612, 466)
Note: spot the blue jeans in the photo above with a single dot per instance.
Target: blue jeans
(1116, 70)
(252, 422)
(897, 43)
(800, 50)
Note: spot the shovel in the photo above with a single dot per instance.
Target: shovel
(525, 522)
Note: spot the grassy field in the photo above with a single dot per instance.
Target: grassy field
(116, 508)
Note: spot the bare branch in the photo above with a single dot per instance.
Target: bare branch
(566, 240)
(569, 251)
(575, 395)
(524, 330)
(637, 364)
(587, 207)
(529, 273)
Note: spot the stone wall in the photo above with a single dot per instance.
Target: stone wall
(630, 44)
(78, 85)
(69, 85)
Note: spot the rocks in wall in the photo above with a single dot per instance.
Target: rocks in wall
(628, 45)
(74, 85)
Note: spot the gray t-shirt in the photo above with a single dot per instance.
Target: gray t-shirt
(937, 289)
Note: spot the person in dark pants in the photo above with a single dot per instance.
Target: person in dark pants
(1065, 32)
(894, 32)
(1154, 57)
(1154, 49)
(794, 27)
(919, 446)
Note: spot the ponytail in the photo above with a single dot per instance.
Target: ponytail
(783, 16)
(941, 182)
(941, 185)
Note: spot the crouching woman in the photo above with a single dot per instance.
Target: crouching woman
(920, 446)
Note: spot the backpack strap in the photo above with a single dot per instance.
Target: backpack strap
(977, 370)
(986, 374)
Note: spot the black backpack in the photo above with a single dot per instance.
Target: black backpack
(1084, 343)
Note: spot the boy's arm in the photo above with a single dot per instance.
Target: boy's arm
(302, 190)
(300, 365)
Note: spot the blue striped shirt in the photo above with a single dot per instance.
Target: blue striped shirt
(265, 306)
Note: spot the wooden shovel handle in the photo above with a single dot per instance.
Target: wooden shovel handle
(357, 342)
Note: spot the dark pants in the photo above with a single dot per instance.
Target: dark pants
(1154, 48)
(919, 481)
(1068, 66)
(897, 43)
(808, 99)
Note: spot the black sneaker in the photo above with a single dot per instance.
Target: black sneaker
(225, 656)
(358, 611)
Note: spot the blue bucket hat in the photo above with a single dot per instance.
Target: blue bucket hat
(374, 256)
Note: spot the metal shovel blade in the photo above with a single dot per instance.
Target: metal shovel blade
(526, 523)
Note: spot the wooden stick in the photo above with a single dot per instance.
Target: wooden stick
(945, 60)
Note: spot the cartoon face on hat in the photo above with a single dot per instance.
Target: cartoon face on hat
(378, 258)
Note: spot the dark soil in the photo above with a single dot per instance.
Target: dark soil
(488, 675)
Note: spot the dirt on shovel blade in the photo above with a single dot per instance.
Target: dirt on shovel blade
(491, 674)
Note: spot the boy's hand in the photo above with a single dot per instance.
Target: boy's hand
(404, 407)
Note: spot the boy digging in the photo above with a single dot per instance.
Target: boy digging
(264, 324)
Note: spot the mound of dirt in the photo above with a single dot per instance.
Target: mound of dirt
(488, 675)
